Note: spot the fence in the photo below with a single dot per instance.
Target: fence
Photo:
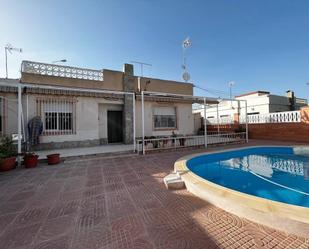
(221, 120)
(189, 141)
(277, 117)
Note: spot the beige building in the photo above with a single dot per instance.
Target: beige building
(83, 107)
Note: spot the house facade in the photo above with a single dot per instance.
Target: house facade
(259, 102)
(83, 107)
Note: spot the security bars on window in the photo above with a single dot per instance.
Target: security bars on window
(58, 116)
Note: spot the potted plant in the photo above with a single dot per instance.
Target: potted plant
(53, 159)
(7, 154)
(30, 160)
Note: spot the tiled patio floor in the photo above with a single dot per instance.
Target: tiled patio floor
(119, 203)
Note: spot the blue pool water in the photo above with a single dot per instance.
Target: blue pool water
(274, 173)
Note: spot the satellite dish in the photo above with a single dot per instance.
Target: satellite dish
(186, 76)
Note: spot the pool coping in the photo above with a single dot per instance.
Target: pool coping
(289, 218)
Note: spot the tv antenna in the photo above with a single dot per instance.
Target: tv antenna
(142, 64)
(185, 45)
(9, 48)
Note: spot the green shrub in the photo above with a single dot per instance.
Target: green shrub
(7, 148)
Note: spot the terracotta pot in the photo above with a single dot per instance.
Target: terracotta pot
(31, 161)
(7, 163)
(53, 159)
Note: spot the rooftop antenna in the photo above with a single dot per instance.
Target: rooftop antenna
(185, 44)
(231, 84)
(9, 48)
(142, 64)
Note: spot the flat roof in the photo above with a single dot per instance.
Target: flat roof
(251, 93)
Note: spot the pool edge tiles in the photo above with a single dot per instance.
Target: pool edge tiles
(289, 218)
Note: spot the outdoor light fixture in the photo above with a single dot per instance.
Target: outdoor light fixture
(9, 48)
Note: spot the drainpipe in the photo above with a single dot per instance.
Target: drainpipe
(143, 123)
(134, 132)
(19, 124)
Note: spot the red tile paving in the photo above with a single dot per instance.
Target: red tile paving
(121, 202)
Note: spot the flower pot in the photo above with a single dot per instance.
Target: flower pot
(31, 161)
(53, 159)
(7, 163)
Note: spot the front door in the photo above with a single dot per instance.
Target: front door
(114, 126)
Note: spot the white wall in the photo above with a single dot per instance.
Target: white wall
(89, 126)
(10, 113)
(185, 119)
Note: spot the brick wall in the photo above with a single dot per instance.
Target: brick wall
(294, 132)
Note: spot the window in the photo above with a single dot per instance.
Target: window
(164, 118)
(58, 116)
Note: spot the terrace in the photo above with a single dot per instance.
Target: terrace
(121, 202)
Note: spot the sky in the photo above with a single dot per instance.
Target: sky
(258, 44)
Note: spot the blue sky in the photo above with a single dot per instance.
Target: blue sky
(261, 45)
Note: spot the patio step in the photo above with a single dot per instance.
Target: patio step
(174, 181)
(92, 156)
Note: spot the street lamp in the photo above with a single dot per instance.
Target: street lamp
(9, 48)
(63, 60)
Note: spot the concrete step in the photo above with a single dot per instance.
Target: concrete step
(174, 181)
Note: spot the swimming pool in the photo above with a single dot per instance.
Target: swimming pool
(274, 173)
(265, 184)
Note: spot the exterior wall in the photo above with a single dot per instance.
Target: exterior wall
(166, 86)
(279, 104)
(256, 103)
(197, 122)
(112, 81)
(185, 119)
(10, 113)
(91, 123)
(294, 132)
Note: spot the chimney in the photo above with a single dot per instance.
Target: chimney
(290, 95)
(128, 69)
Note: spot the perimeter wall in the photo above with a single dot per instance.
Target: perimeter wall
(294, 132)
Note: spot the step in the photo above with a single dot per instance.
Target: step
(174, 181)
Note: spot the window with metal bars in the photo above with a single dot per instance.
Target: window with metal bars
(58, 116)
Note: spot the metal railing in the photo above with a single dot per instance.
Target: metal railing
(163, 143)
(276, 117)
(61, 71)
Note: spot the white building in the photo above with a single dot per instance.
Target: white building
(259, 102)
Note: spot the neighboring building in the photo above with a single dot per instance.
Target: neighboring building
(259, 102)
(81, 107)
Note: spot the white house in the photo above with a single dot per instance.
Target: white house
(259, 102)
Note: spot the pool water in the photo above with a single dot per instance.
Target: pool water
(274, 173)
